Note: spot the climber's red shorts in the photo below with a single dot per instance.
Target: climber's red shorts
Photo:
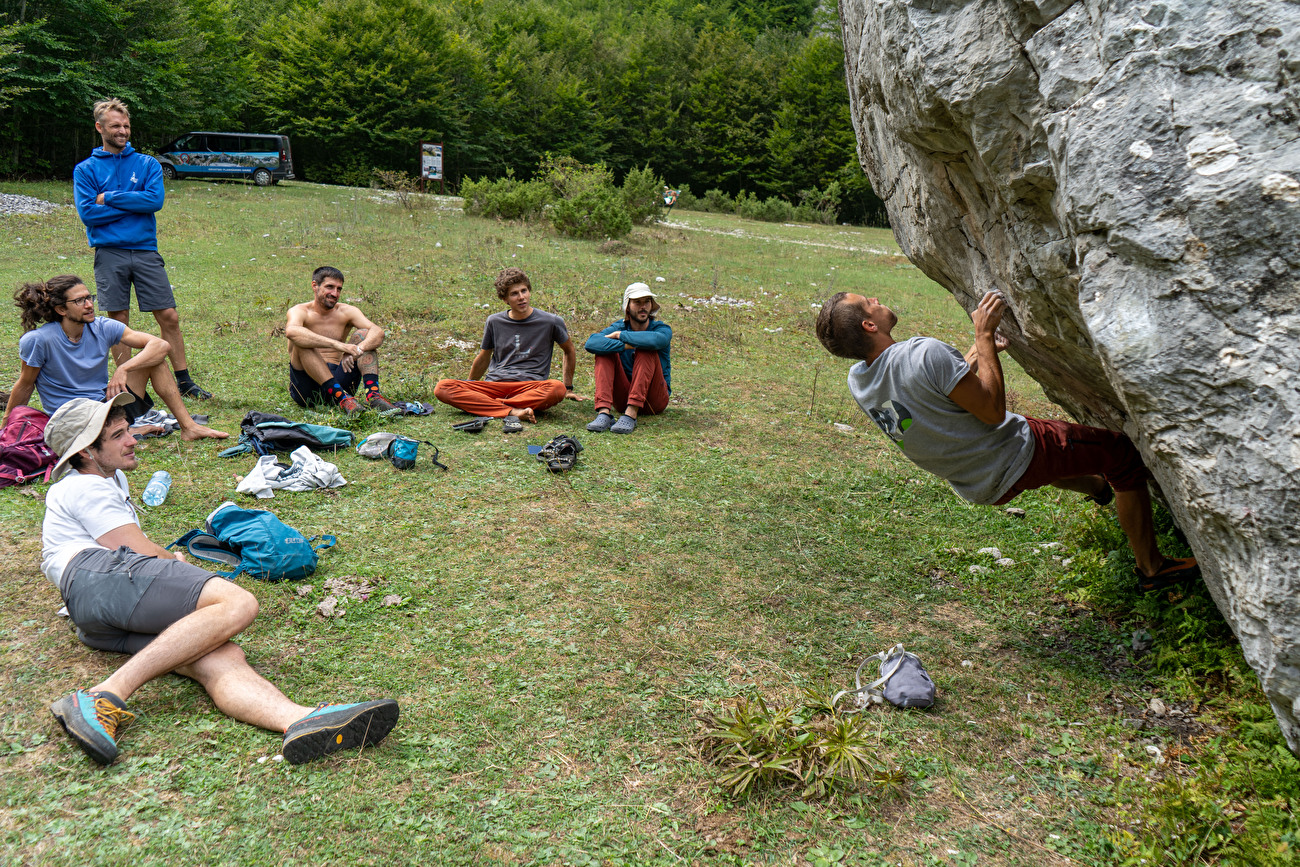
(1066, 451)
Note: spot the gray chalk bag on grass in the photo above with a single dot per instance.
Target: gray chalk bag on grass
(903, 681)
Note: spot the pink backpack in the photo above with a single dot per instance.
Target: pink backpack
(24, 456)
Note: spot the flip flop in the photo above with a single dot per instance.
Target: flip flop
(1172, 572)
(474, 425)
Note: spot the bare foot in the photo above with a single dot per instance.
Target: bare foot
(142, 430)
(199, 432)
(525, 414)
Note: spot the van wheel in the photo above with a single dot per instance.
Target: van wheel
(169, 172)
(262, 178)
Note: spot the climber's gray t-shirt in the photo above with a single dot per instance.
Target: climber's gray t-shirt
(905, 391)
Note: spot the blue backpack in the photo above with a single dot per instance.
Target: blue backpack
(256, 542)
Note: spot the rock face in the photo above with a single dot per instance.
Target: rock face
(1129, 173)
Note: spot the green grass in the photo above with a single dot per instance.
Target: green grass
(563, 636)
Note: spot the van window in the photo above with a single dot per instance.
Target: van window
(224, 143)
(189, 143)
(261, 144)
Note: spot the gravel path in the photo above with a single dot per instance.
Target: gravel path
(12, 204)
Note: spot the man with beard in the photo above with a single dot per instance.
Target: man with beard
(948, 413)
(118, 190)
(332, 349)
(633, 366)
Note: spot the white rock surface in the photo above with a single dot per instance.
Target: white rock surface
(1129, 174)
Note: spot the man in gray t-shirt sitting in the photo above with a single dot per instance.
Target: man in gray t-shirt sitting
(948, 413)
(510, 374)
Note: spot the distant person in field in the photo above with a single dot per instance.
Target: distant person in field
(63, 354)
(509, 376)
(126, 594)
(118, 191)
(633, 364)
(332, 349)
(948, 413)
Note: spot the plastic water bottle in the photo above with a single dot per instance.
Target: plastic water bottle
(156, 491)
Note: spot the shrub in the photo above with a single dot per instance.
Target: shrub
(587, 204)
(718, 202)
(771, 210)
(819, 206)
(506, 198)
(643, 195)
(404, 187)
(598, 212)
(688, 201)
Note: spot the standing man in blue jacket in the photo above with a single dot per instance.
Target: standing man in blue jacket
(633, 364)
(117, 191)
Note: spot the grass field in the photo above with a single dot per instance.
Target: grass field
(561, 636)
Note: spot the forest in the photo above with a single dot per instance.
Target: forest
(732, 95)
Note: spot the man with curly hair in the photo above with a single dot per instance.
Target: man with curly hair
(64, 350)
(509, 376)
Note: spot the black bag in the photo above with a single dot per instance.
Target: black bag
(264, 433)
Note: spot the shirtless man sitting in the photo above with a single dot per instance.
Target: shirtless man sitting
(325, 363)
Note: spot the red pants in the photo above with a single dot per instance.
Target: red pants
(1066, 451)
(496, 399)
(645, 391)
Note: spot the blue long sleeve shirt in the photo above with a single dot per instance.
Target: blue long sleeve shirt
(132, 185)
(657, 337)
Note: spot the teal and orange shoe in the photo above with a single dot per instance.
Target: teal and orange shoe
(333, 727)
(93, 721)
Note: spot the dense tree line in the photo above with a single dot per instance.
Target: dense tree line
(733, 94)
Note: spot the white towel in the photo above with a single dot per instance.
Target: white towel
(307, 473)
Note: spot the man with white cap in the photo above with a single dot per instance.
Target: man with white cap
(129, 595)
(633, 364)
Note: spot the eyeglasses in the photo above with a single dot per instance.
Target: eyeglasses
(88, 299)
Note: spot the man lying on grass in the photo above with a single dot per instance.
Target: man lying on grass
(128, 595)
(332, 349)
(949, 415)
(509, 376)
(64, 350)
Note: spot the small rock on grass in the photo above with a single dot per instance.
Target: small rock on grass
(305, 589)
(1016, 512)
(977, 569)
(1005, 561)
(992, 552)
(1158, 707)
(392, 599)
(329, 607)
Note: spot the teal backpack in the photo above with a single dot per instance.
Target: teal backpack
(256, 542)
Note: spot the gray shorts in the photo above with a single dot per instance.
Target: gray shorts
(116, 270)
(121, 600)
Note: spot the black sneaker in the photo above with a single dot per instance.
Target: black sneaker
(93, 722)
(193, 389)
(332, 727)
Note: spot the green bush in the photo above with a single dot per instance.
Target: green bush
(688, 201)
(819, 206)
(643, 195)
(598, 212)
(587, 204)
(717, 202)
(506, 198)
(771, 210)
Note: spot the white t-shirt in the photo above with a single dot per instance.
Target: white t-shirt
(79, 508)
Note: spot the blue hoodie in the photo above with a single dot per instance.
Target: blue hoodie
(132, 185)
(656, 337)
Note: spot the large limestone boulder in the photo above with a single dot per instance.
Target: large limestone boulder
(1129, 173)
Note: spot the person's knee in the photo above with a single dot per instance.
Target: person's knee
(241, 607)
(167, 318)
(444, 389)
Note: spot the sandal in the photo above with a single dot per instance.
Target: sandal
(511, 424)
(474, 425)
(1103, 499)
(560, 454)
(1173, 571)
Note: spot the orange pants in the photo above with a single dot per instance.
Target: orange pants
(496, 399)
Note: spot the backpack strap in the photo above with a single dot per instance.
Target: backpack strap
(205, 546)
(872, 693)
(327, 542)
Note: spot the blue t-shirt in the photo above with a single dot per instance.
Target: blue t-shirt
(70, 369)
